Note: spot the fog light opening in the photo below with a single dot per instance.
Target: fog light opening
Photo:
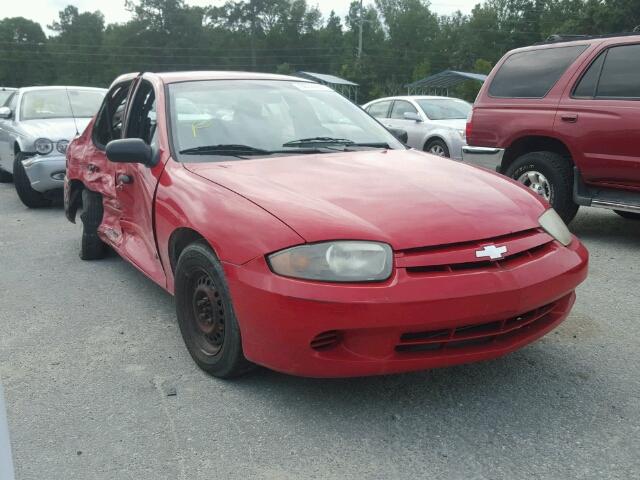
(326, 340)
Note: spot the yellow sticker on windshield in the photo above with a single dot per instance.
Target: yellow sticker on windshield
(195, 126)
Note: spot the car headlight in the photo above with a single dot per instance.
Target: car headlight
(551, 222)
(62, 145)
(462, 133)
(339, 261)
(43, 146)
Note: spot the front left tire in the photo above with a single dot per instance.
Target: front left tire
(205, 313)
(30, 197)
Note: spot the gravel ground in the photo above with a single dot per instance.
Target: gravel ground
(90, 356)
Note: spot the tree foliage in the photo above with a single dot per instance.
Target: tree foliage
(403, 40)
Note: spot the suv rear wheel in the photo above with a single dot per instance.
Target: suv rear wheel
(549, 175)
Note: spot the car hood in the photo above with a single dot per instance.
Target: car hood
(405, 198)
(53, 128)
(457, 124)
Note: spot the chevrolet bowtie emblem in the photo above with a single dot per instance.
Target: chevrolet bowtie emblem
(491, 251)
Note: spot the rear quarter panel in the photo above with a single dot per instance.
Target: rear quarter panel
(88, 164)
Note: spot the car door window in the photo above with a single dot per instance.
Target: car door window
(142, 119)
(586, 87)
(110, 117)
(379, 109)
(620, 77)
(400, 107)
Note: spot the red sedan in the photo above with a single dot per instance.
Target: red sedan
(297, 233)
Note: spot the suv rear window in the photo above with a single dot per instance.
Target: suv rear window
(620, 77)
(531, 74)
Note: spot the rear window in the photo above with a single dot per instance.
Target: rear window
(620, 76)
(379, 110)
(533, 73)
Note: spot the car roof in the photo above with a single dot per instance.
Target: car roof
(60, 87)
(415, 97)
(587, 40)
(198, 75)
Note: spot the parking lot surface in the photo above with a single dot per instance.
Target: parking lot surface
(99, 385)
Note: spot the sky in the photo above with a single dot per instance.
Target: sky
(45, 11)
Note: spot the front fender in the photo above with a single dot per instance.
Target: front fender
(237, 229)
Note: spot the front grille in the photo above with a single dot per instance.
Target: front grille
(472, 335)
(521, 247)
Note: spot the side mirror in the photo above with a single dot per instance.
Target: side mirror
(5, 112)
(412, 116)
(401, 135)
(131, 150)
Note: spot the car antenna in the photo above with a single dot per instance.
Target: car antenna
(72, 113)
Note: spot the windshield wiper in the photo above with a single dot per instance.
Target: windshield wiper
(222, 149)
(372, 145)
(319, 141)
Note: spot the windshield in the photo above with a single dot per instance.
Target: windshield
(445, 108)
(266, 117)
(55, 103)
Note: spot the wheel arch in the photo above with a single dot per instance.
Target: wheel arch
(534, 143)
(180, 239)
(432, 137)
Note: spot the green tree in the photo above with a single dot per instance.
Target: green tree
(24, 53)
(77, 46)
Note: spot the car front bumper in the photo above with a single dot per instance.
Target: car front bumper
(374, 329)
(45, 173)
(486, 157)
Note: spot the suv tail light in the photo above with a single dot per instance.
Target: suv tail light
(469, 128)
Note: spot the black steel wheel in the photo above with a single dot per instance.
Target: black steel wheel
(205, 313)
(208, 313)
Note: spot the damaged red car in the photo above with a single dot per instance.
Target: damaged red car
(297, 233)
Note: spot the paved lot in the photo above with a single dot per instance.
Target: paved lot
(90, 351)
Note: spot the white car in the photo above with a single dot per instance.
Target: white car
(433, 124)
(36, 125)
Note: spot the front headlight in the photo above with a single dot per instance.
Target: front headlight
(339, 261)
(462, 133)
(43, 146)
(551, 222)
(62, 145)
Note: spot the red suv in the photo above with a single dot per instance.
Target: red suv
(564, 119)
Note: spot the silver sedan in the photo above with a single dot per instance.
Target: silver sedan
(433, 124)
(36, 125)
